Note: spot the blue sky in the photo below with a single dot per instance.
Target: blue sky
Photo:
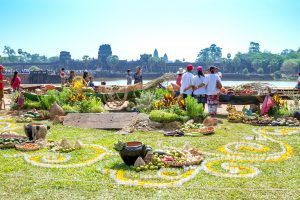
(181, 28)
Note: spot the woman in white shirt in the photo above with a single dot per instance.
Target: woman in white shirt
(199, 92)
(213, 83)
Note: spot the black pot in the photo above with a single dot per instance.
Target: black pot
(28, 129)
(132, 150)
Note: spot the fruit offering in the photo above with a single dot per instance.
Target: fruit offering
(191, 127)
(173, 158)
(27, 147)
(207, 130)
(8, 140)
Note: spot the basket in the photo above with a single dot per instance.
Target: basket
(207, 130)
(23, 147)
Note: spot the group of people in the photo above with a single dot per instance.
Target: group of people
(15, 84)
(205, 86)
(87, 79)
(137, 77)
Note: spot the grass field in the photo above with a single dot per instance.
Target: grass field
(278, 179)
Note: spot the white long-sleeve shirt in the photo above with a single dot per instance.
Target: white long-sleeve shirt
(197, 81)
(211, 84)
(186, 81)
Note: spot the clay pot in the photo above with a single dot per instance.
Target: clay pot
(28, 129)
(133, 150)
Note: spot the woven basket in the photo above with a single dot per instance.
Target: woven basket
(21, 147)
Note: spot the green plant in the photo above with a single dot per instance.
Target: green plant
(31, 105)
(96, 105)
(69, 109)
(145, 102)
(177, 110)
(64, 95)
(159, 93)
(194, 109)
(84, 106)
(119, 146)
(164, 116)
(14, 106)
(49, 99)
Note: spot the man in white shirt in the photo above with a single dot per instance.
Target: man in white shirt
(187, 82)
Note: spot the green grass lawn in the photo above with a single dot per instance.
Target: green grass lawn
(278, 179)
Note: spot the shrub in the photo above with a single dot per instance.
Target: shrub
(49, 99)
(145, 102)
(164, 116)
(194, 109)
(84, 106)
(64, 95)
(32, 105)
(96, 105)
(69, 109)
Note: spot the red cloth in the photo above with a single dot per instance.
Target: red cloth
(267, 105)
(1, 82)
(178, 80)
(16, 84)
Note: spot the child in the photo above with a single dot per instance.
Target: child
(2, 81)
(91, 83)
(129, 77)
(63, 76)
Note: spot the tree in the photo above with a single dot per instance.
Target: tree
(8, 51)
(285, 52)
(155, 54)
(112, 61)
(290, 66)
(277, 75)
(245, 71)
(210, 55)
(103, 53)
(165, 58)
(177, 61)
(86, 60)
(254, 47)
(260, 70)
(53, 59)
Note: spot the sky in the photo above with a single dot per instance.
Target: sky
(180, 28)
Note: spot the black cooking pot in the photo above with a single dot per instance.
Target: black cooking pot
(28, 129)
(132, 150)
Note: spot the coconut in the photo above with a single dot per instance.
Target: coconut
(65, 144)
(78, 145)
(149, 157)
(56, 110)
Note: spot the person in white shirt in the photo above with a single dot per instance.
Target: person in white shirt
(213, 85)
(186, 87)
(217, 72)
(199, 92)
